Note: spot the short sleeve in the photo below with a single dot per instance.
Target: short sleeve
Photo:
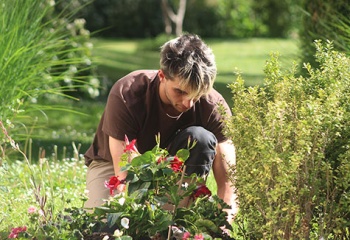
(118, 120)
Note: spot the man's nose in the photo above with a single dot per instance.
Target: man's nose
(188, 103)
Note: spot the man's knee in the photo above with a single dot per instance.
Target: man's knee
(202, 154)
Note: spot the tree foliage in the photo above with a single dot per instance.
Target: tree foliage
(208, 18)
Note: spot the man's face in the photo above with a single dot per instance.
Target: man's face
(173, 94)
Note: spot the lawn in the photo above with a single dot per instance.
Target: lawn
(119, 57)
(56, 132)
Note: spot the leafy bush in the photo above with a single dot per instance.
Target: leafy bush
(292, 139)
(159, 200)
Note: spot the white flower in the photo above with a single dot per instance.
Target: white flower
(117, 233)
(177, 233)
(105, 237)
(125, 222)
(211, 199)
(121, 201)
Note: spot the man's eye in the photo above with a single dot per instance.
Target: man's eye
(178, 91)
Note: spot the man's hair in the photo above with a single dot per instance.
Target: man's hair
(188, 58)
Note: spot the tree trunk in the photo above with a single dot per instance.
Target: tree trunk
(177, 19)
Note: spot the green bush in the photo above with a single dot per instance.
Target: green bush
(293, 158)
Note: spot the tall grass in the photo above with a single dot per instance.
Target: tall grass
(31, 44)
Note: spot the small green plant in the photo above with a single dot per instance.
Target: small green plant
(36, 202)
(292, 140)
(160, 201)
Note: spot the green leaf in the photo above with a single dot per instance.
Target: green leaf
(183, 154)
(126, 238)
(132, 178)
(112, 218)
(139, 187)
(167, 171)
(205, 225)
(146, 175)
(102, 210)
(161, 199)
(147, 157)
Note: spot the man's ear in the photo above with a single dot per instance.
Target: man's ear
(161, 75)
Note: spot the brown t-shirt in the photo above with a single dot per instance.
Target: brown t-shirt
(134, 109)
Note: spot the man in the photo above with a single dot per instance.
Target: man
(177, 101)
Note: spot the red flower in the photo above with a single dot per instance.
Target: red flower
(15, 231)
(130, 146)
(176, 164)
(161, 159)
(113, 183)
(201, 191)
(186, 235)
(199, 237)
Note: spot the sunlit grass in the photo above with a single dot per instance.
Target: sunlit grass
(119, 57)
(63, 182)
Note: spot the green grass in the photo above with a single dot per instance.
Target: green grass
(119, 57)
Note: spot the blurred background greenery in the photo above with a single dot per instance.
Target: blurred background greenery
(58, 60)
(113, 37)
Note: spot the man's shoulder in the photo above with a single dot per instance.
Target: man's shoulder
(138, 75)
(135, 88)
(136, 81)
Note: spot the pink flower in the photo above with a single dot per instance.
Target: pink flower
(15, 231)
(130, 146)
(113, 184)
(176, 164)
(202, 190)
(186, 236)
(198, 237)
(32, 210)
(161, 159)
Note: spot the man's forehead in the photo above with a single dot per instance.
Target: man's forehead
(185, 87)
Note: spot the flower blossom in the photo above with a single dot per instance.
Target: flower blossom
(118, 233)
(176, 164)
(113, 184)
(186, 235)
(125, 222)
(130, 146)
(32, 210)
(198, 237)
(15, 231)
(202, 190)
(161, 159)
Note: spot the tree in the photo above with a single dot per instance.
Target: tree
(170, 16)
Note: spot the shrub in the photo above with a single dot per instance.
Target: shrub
(292, 139)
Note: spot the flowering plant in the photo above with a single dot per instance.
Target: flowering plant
(159, 201)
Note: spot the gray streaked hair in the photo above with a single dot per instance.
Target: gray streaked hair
(188, 58)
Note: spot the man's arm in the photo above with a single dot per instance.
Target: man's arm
(225, 156)
(116, 147)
